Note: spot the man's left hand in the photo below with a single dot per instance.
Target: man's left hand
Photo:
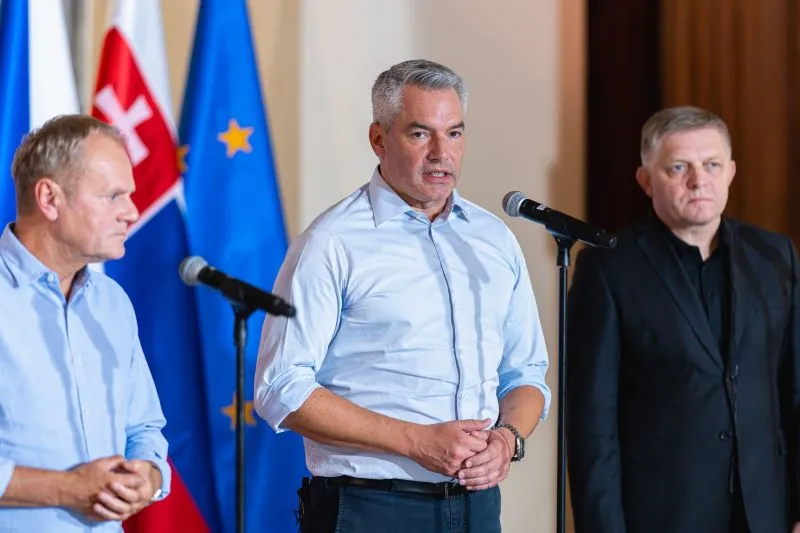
(796, 528)
(119, 502)
(489, 467)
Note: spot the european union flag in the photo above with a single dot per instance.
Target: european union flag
(235, 221)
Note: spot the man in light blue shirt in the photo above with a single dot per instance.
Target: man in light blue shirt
(81, 447)
(415, 366)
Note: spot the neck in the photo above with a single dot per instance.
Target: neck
(37, 238)
(705, 237)
(431, 209)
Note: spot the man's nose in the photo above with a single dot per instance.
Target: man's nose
(438, 149)
(132, 213)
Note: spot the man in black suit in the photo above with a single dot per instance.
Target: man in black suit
(684, 355)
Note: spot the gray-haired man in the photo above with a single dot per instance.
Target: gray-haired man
(684, 361)
(415, 366)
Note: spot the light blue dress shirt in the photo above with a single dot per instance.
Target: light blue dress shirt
(74, 383)
(423, 322)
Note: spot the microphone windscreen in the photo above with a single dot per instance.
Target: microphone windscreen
(190, 268)
(512, 201)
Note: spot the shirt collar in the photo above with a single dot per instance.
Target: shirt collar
(24, 267)
(387, 204)
(682, 247)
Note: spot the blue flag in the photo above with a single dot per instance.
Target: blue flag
(14, 95)
(36, 80)
(235, 221)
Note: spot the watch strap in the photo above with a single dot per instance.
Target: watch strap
(519, 441)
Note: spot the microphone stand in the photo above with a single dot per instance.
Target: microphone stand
(559, 225)
(236, 292)
(564, 242)
(241, 314)
(562, 261)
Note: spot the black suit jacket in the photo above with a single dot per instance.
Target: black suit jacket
(653, 413)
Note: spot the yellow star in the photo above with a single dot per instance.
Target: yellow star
(236, 138)
(182, 151)
(230, 412)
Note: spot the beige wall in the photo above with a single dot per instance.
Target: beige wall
(524, 63)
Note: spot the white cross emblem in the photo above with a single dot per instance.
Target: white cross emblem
(126, 121)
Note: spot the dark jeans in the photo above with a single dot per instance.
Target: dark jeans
(348, 509)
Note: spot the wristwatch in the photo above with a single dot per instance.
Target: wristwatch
(519, 442)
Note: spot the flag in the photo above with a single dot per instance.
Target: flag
(36, 80)
(133, 94)
(235, 221)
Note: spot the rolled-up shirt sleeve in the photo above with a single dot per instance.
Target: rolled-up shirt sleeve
(292, 349)
(525, 360)
(145, 440)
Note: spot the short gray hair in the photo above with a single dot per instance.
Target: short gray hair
(55, 151)
(387, 91)
(678, 119)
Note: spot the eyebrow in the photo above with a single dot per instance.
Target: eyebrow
(717, 157)
(420, 126)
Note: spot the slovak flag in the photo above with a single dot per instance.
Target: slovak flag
(36, 80)
(133, 94)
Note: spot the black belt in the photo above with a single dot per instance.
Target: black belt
(445, 489)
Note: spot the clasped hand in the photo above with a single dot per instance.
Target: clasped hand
(111, 488)
(467, 450)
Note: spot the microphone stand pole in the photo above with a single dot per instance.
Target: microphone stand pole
(562, 261)
(240, 341)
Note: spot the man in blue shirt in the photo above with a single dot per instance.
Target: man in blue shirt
(415, 366)
(81, 447)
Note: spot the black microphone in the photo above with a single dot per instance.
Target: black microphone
(516, 204)
(195, 269)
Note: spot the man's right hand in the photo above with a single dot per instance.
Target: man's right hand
(444, 447)
(86, 482)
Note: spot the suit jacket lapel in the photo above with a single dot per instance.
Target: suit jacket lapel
(741, 295)
(667, 265)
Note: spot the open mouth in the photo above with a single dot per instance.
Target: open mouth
(437, 174)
